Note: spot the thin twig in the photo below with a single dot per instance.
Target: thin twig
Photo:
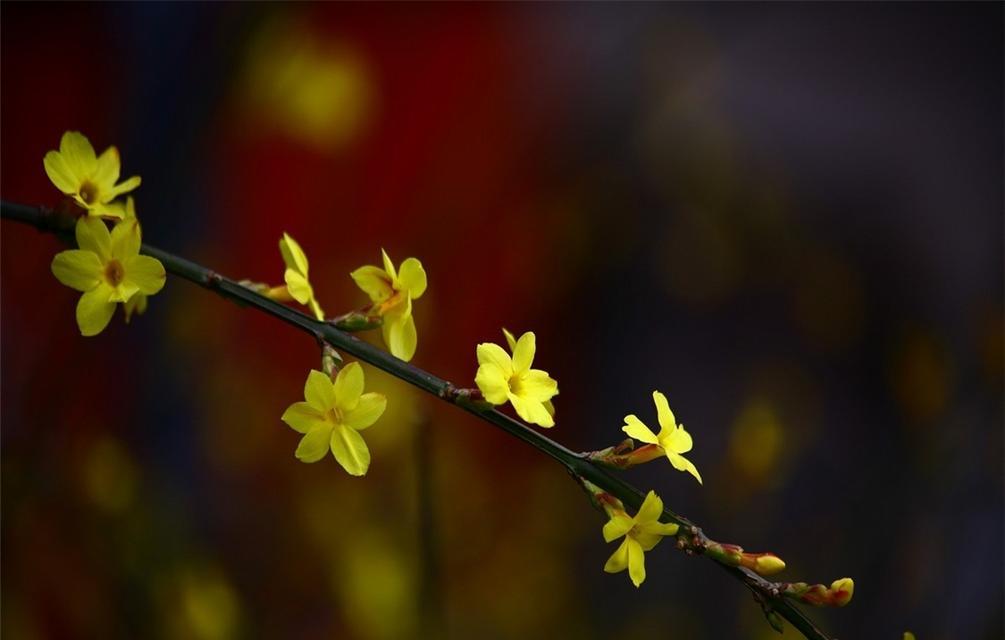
(577, 464)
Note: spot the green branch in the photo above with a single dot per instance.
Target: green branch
(769, 594)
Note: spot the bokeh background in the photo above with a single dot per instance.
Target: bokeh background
(787, 217)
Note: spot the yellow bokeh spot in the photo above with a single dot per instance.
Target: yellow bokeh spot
(375, 580)
(756, 440)
(109, 475)
(314, 89)
(921, 376)
(209, 605)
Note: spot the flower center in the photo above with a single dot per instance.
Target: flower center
(334, 416)
(516, 384)
(88, 192)
(114, 273)
(391, 303)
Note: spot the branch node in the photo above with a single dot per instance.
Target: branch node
(213, 279)
(456, 394)
(331, 360)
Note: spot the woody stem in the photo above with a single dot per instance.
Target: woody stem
(49, 221)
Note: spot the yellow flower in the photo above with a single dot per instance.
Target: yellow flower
(672, 438)
(392, 293)
(511, 341)
(333, 416)
(642, 533)
(108, 269)
(90, 180)
(501, 378)
(297, 284)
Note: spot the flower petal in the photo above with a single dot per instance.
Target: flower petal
(93, 235)
(490, 353)
(647, 539)
(636, 562)
(146, 273)
(617, 526)
(678, 441)
(78, 153)
(350, 450)
(106, 171)
(510, 340)
(348, 386)
(60, 173)
(314, 445)
(635, 428)
(492, 382)
(106, 209)
(123, 291)
(660, 528)
(663, 412)
(538, 385)
(412, 277)
(531, 411)
(137, 304)
(94, 310)
(125, 239)
(400, 309)
(123, 187)
(389, 266)
(374, 282)
(302, 417)
(293, 256)
(129, 212)
(77, 269)
(680, 463)
(693, 470)
(369, 408)
(316, 309)
(298, 286)
(619, 559)
(523, 353)
(400, 336)
(651, 509)
(319, 391)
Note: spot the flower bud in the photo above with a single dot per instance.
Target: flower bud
(767, 564)
(841, 592)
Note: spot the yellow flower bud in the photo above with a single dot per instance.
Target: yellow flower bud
(768, 563)
(841, 591)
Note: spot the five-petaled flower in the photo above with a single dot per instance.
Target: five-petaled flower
(108, 269)
(642, 533)
(88, 179)
(297, 284)
(501, 378)
(672, 438)
(332, 417)
(392, 292)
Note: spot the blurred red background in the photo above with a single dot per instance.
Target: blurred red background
(786, 217)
